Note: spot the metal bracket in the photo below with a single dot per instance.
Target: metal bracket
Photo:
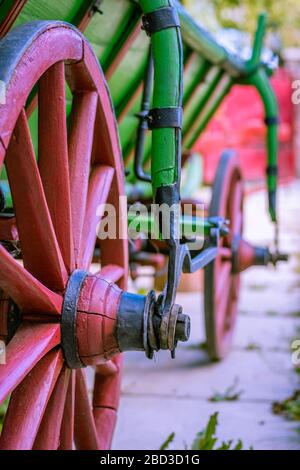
(200, 260)
(158, 20)
(180, 259)
(159, 118)
(272, 170)
(143, 124)
(96, 7)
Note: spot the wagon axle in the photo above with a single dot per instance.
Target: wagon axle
(245, 255)
(63, 161)
(99, 320)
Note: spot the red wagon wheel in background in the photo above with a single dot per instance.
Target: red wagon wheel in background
(221, 288)
(56, 195)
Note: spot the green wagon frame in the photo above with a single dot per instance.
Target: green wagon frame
(60, 147)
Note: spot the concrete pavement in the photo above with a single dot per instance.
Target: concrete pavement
(166, 395)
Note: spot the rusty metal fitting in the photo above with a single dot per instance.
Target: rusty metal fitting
(278, 257)
(245, 255)
(140, 326)
(175, 326)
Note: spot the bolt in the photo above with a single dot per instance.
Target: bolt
(183, 328)
(278, 257)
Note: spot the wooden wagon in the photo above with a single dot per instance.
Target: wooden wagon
(92, 93)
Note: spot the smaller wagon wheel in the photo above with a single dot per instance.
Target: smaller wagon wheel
(57, 189)
(221, 284)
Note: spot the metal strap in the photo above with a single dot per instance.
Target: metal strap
(272, 120)
(159, 118)
(158, 20)
(272, 170)
(68, 320)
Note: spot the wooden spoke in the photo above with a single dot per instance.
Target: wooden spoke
(28, 293)
(80, 149)
(28, 346)
(221, 283)
(67, 427)
(48, 436)
(236, 208)
(108, 368)
(40, 250)
(8, 228)
(112, 273)
(53, 156)
(105, 422)
(223, 304)
(225, 253)
(106, 400)
(56, 196)
(223, 279)
(100, 183)
(28, 403)
(235, 289)
(85, 429)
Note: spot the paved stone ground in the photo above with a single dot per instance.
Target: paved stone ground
(163, 396)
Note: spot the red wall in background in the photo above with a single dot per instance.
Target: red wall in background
(239, 124)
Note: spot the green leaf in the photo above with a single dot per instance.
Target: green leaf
(230, 394)
(225, 446)
(290, 408)
(3, 409)
(206, 440)
(168, 441)
(239, 446)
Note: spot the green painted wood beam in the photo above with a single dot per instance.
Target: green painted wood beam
(189, 225)
(168, 66)
(206, 115)
(261, 81)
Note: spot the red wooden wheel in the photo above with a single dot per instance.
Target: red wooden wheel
(55, 198)
(221, 285)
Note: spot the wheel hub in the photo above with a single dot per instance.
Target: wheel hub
(246, 255)
(99, 320)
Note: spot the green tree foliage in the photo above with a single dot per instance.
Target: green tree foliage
(284, 15)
